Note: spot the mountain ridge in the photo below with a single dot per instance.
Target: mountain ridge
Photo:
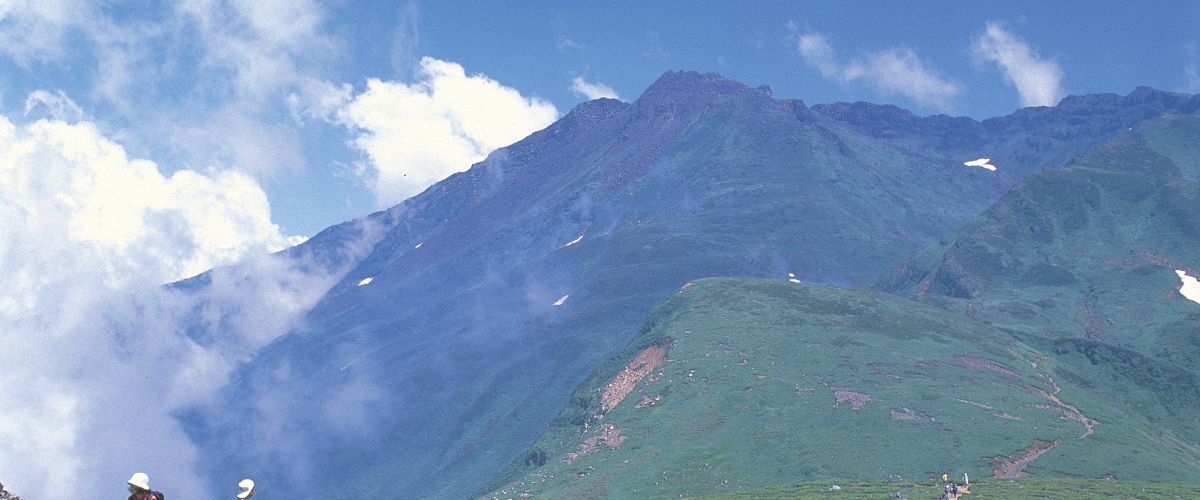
(1072, 270)
(491, 294)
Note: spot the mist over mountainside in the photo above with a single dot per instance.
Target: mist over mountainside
(488, 298)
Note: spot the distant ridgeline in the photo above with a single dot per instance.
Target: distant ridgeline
(503, 334)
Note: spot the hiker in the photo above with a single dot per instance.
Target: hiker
(139, 488)
(245, 489)
(950, 488)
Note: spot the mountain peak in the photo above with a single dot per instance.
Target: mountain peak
(692, 79)
(692, 85)
(1149, 95)
(595, 110)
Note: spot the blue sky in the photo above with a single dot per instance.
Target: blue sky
(142, 142)
(161, 80)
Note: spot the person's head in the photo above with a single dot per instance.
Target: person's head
(139, 482)
(245, 489)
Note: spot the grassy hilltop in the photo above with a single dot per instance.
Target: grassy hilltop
(1045, 338)
(772, 382)
(1057, 489)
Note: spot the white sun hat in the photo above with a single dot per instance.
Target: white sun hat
(245, 489)
(140, 479)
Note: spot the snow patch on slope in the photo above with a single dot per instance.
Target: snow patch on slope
(981, 163)
(572, 242)
(1190, 288)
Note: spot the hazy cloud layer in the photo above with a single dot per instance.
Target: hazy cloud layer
(56, 106)
(259, 44)
(229, 65)
(417, 134)
(1038, 80)
(95, 358)
(33, 31)
(592, 90)
(890, 72)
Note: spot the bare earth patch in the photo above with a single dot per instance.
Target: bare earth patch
(979, 364)
(841, 395)
(1064, 410)
(1013, 465)
(1004, 415)
(1068, 412)
(608, 435)
(648, 401)
(622, 384)
(909, 414)
(972, 403)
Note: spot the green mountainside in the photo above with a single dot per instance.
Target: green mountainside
(1055, 489)
(470, 313)
(1082, 262)
(772, 382)
(1046, 337)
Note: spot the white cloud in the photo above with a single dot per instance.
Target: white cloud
(562, 37)
(817, 52)
(94, 360)
(47, 31)
(564, 43)
(1038, 81)
(1191, 83)
(203, 79)
(252, 56)
(592, 90)
(417, 134)
(68, 185)
(890, 71)
(58, 106)
(319, 99)
(406, 37)
(261, 44)
(32, 31)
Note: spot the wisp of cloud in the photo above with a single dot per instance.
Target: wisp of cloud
(592, 90)
(890, 71)
(1039, 81)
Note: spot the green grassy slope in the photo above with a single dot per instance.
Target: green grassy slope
(1081, 262)
(774, 383)
(1088, 251)
(1057, 489)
